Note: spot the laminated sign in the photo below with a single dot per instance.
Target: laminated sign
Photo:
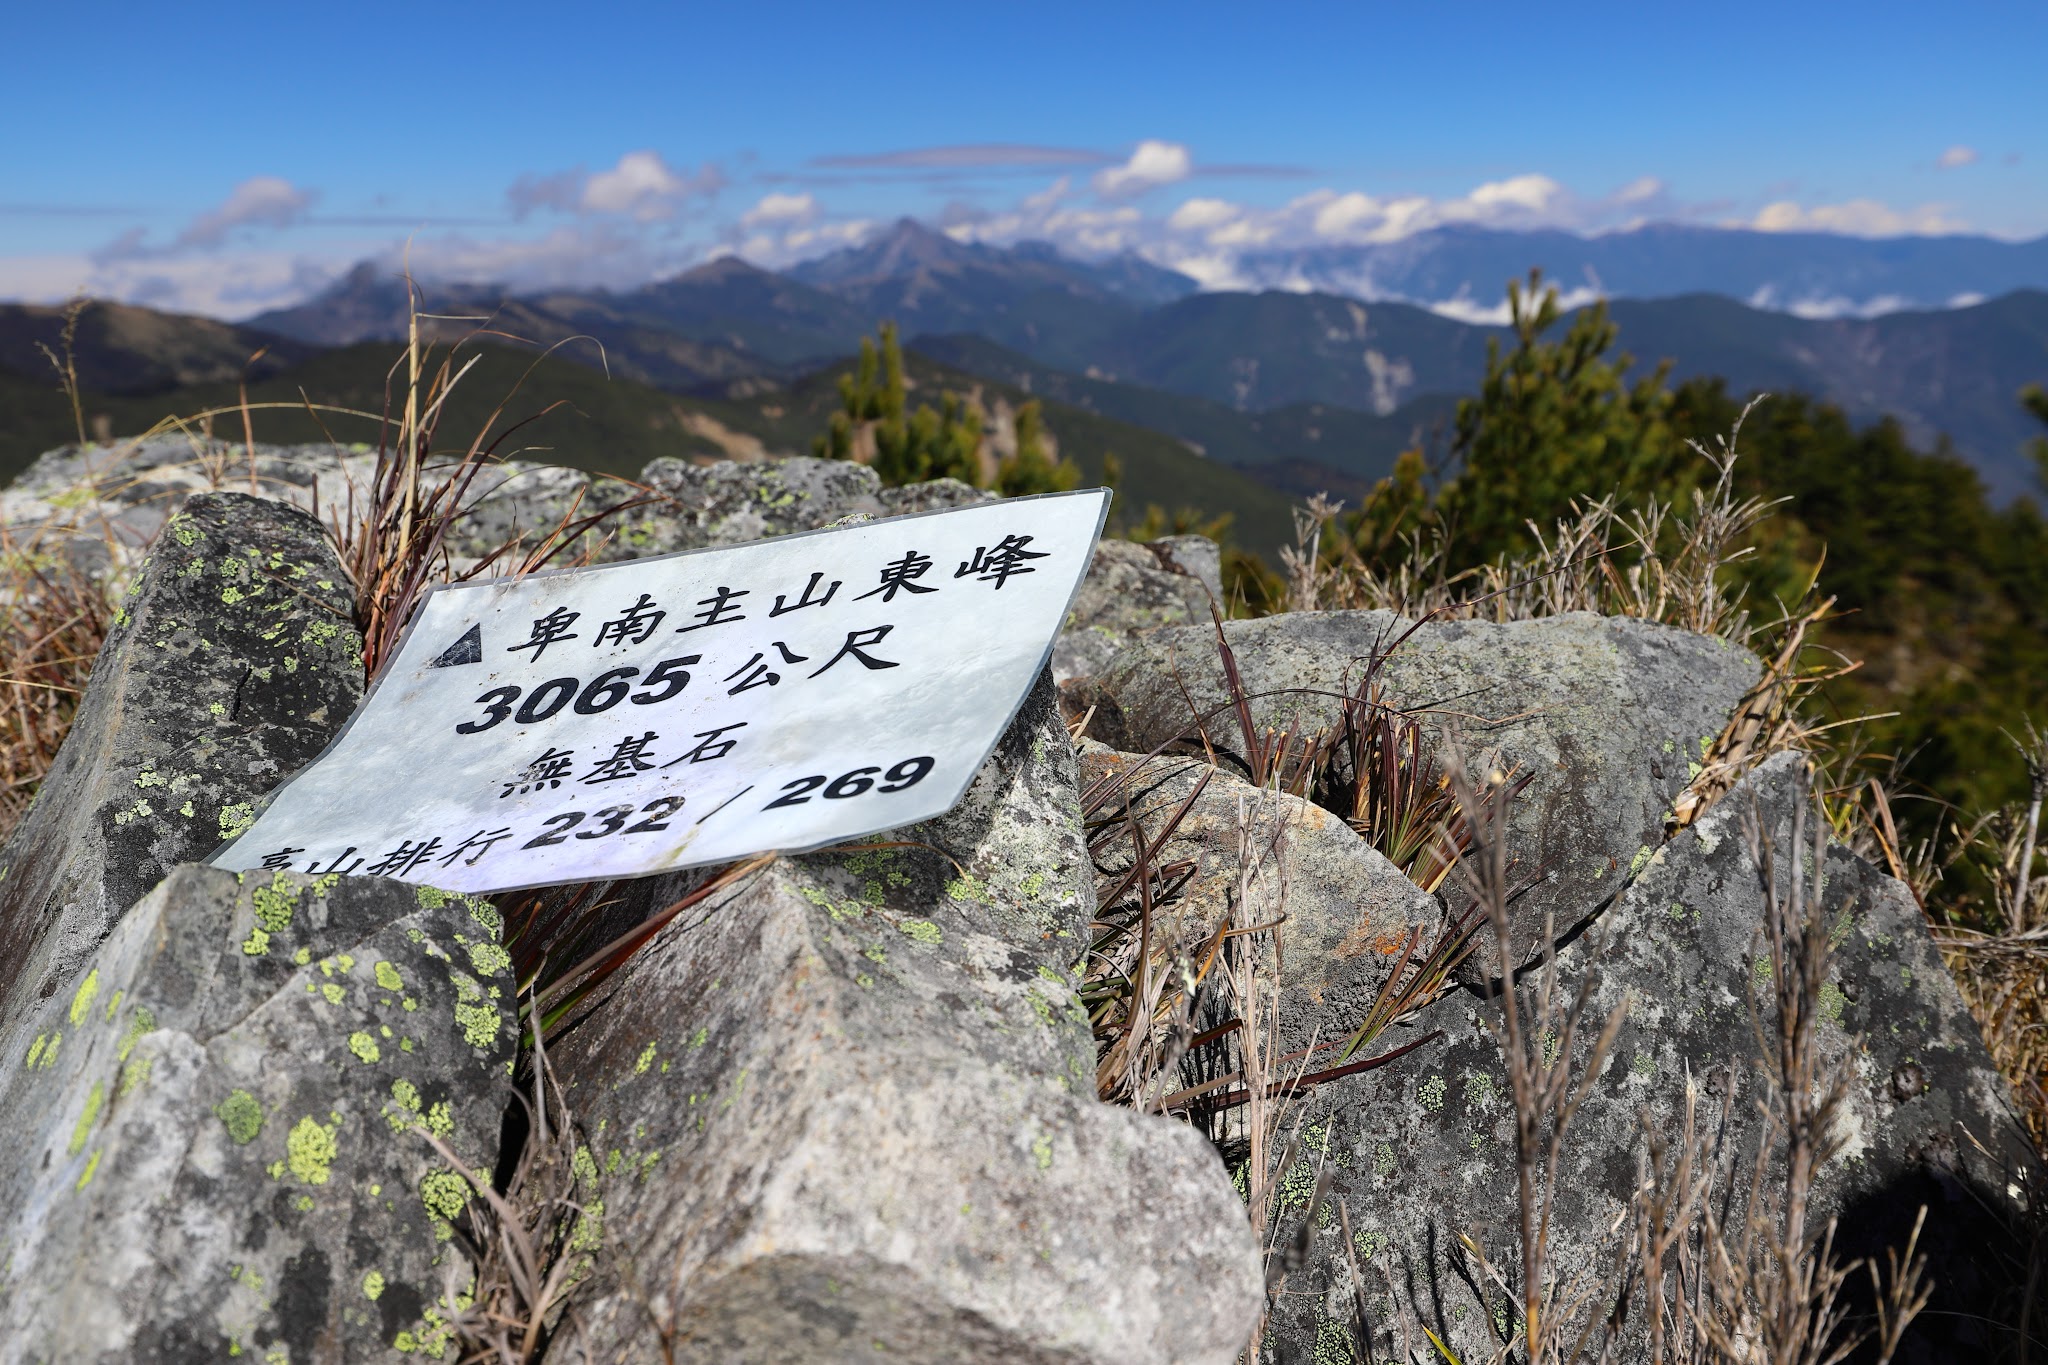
(664, 713)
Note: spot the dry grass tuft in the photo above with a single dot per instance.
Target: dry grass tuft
(531, 1243)
(54, 616)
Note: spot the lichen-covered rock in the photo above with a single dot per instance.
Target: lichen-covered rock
(211, 1149)
(1606, 715)
(232, 661)
(849, 1110)
(1423, 1151)
(109, 501)
(1130, 588)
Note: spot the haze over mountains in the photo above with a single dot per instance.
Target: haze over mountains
(1126, 338)
(1300, 388)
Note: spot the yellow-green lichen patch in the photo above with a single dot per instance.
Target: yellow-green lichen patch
(485, 914)
(242, 1115)
(364, 1046)
(373, 1286)
(445, 1194)
(114, 1004)
(82, 1130)
(405, 1099)
(333, 993)
(489, 959)
(235, 820)
(35, 1051)
(646, 1060)
(1431, 1093)
(921, 931)
(183, 531)
(273, 904)
(141, 1022)
(310, 1150)
(388, 977)
(474, 1015)
(135, 1074)
(92, 1165)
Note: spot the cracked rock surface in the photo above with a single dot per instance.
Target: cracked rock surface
(853, 1106)
(233, 660)
(212, 1149)
(1605, 715)
(1422, 1151)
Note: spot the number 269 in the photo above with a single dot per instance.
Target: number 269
(908, 773)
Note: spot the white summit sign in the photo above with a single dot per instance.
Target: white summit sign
(665, 713)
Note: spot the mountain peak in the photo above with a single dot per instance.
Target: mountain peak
(907, 247)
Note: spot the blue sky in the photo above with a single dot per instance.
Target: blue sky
(226, 158)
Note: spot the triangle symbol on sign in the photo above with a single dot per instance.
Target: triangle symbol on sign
(468, 650)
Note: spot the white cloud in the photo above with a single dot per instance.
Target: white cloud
(1955, 156)
(1530, 193)
(229, 286)
(776, 244)
(1855, 218)
(1640, 190)
(260, 201)
(1200, 215)
(642, 186)
(1153, 164)
(781, 208)
(1462, 308)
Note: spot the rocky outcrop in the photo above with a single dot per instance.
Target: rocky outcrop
(1606, 716)
(212, 1133)
(232, 661)
(852, 1111)
(1132, 588)
(1421, 1152)
(1345, 907)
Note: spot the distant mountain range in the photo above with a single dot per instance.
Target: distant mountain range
(1301, 391)
(1462, 270)
(1125, 338)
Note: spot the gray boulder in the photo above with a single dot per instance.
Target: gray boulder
(211, 1134)
(1423, 1150)
(1130, 588)
(1346, 906)
(233, 660)
(1606, 715)
(850, 1110)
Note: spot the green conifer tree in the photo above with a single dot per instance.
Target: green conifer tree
(1031, 470)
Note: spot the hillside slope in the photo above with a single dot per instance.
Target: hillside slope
(582, 419)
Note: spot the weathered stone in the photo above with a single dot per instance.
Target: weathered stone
(728, 502)
(1346, 907)
(1130, 588)
(1605, 714)
(232, 662)
(210, 1136)
(1423, 1150)
(851, 1110)
(117, 497)
(938, 495)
